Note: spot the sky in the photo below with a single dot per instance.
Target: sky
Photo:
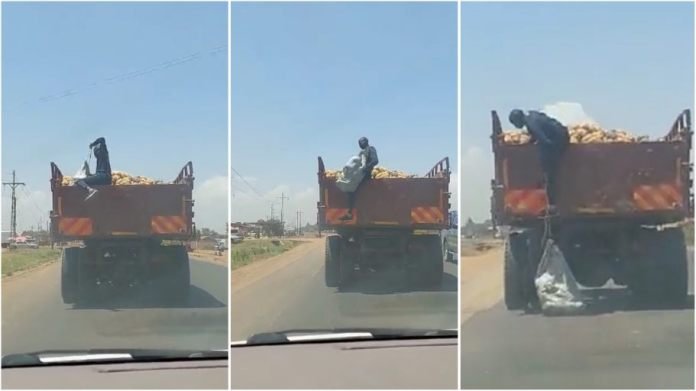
(309, 80)
(149, 77)
(623, 65)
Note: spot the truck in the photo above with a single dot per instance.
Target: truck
(126, 236)
(619, 215)
(6, 236)
(397, 222)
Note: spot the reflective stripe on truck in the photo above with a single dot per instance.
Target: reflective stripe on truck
(75, 226)
(167, 224)
(658, 197)
(427, 215)
(525, 201)
(333, 216)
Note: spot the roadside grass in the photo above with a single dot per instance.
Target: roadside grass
(253, 250)
(689, 232)
(17, 260)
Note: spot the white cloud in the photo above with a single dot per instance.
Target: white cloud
(567, 112)
(211, 203)
(476, 174)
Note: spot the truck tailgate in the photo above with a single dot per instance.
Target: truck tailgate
(418, 203)
(162, 211)
(621, 179)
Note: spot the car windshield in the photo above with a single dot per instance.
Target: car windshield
(303, 264)
(122, 237)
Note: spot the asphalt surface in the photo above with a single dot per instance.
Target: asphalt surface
(295, 297)
(34, 317)
(619, 343)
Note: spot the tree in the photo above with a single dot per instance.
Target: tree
(208, 232)
(272, 227)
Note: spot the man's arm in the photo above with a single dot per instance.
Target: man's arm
(373, 160)
(363, 160)
(536, 126)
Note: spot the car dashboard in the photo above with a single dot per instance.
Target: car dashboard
(429, 363)
(181, 374)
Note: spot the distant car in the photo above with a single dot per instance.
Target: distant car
(236, 238)
(25, 244)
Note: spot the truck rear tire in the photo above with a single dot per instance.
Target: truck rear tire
(181, 274)
(663, 271)
(515, 253)
(346, 266)
(88, 292)
(434, 262)
(69, 277)
(331, 261)
(677, 269)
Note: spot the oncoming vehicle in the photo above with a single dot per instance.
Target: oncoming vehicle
(21, 242)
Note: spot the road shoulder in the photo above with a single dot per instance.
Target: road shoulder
(480, 282)
(210, 257)
(249, 274)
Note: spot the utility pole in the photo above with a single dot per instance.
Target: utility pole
(282, 207)
(13, 219)
(299, 224)
(318, 224)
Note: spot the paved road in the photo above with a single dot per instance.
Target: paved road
(35, 318)
(621, 344)
(294, 296)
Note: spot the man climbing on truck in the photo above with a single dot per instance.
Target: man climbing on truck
(551, 138)
(368, 161)
(102, 176)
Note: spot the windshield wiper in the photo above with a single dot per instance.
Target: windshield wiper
(342, 334)
(91, 356)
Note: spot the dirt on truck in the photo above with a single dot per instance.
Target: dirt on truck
(397, 222)
(128, 235)
(620, 209)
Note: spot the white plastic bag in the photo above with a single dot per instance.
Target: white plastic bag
(557, 289)
(351, 176)
(83, 172)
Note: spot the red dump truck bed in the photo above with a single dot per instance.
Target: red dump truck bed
(407, 203)
(159, 211)
(645, 180)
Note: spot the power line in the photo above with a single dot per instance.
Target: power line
(247, 183)
(124, 76)
(27, 193)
